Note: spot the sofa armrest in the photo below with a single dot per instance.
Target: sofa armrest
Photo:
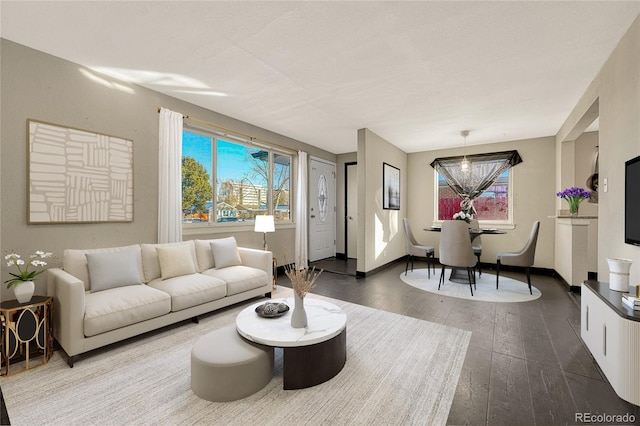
(68, 311)
(260, 259)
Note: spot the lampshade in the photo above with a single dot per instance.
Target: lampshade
(264, 223)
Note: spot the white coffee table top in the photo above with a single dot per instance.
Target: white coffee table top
(325, 321)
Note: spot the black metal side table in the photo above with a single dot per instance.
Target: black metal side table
(27, 332)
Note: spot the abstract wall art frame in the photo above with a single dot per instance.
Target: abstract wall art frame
(390, 187)
(78, 176)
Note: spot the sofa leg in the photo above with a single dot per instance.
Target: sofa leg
(70, 360)
(268, 295)
(195, 320)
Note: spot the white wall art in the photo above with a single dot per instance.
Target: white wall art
(77, 176)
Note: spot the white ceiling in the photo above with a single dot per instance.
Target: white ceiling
(415, 73)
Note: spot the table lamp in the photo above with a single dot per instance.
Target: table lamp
(264, 224)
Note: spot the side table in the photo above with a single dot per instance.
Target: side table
(27, 332)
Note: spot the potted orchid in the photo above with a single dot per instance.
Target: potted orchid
(23, 281)
(462, 216)
(574, 197)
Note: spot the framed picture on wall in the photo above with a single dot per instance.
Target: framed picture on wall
(78, 176)
(390, 187)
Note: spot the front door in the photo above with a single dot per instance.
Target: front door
(322, 211)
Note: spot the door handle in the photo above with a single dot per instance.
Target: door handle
(312, 216)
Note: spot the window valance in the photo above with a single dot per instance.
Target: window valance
(481, 172)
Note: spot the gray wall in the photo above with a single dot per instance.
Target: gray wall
(617, 91)
(40, 86)
(533, 197)
(380, 231)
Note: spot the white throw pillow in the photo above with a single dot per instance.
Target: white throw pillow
(225, 252)
(175, 261)
(113, 269)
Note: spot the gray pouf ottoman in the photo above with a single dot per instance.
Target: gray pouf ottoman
(226, 367)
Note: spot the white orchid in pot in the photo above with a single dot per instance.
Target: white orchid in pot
(23, 281)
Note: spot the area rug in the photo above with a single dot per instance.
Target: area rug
(510, 290)
(399, 370)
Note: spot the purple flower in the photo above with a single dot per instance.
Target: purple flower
(574, 193)
(574, 197)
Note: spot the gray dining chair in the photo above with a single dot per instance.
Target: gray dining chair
(455, 249)
(415, 249)
(523, 257)
(476, 243)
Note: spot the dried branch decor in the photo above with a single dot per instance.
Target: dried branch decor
(303, 280)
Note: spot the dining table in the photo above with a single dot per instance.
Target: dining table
(460, 275)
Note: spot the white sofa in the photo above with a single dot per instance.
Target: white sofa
(102, 296)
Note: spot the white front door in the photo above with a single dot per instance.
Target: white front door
(322, 211)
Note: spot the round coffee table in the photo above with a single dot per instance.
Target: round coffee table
(312, 355)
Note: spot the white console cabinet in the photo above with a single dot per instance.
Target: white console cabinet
(611, 331)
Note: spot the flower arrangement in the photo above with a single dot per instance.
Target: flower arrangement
(574, 197)
(302, 280)
(462, 216)
(24, 274)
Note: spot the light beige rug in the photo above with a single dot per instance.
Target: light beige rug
(399, 370)
(509, 291)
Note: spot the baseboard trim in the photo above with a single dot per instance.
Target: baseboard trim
(361, 274)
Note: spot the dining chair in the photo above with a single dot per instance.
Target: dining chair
(523, 257)
(455, 249)
(414, 249)
(476, 243)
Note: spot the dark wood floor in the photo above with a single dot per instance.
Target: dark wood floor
(526, 363)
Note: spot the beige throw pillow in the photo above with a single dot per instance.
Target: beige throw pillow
(175, 261)
(225, 252)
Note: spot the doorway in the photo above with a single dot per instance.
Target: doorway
(351, 210)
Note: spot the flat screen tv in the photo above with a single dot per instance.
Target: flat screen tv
(632, 201)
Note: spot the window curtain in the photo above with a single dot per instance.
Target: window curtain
(170, 177)
(482, 172)
(301, 246)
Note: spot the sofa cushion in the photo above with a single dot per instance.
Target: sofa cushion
(240, 278)
(191, 290)
(204, 255)
(150, 262)
(74, 261)
(175, 261)
(118, 307)
(113, 269)
(225, 252)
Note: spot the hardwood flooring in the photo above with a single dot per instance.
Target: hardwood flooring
(526, 363)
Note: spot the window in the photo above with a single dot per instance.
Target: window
(249, 180)
(491, 206)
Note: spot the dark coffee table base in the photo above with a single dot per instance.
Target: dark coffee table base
(306, 366)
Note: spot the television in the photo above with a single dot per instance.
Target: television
(632, 201)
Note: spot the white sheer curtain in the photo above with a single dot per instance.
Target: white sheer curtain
(302, 255)
(170, 177)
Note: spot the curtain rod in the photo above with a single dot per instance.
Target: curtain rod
(226, 129)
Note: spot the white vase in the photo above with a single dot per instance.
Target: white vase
(619, 274)
(24, 291)
(299, 315)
